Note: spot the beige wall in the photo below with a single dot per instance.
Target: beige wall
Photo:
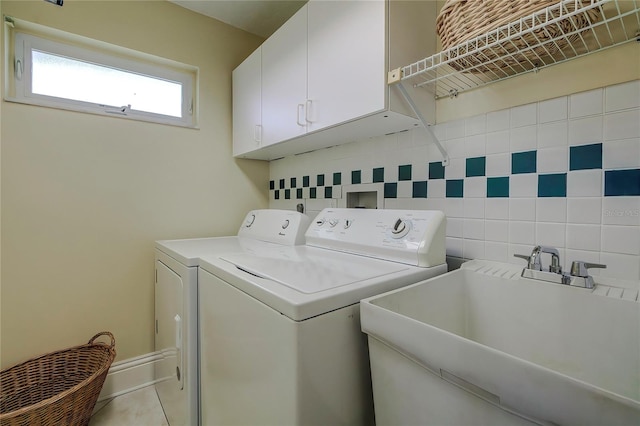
(85, 196)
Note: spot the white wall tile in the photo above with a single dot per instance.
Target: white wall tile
(496, 251)
(366, 175)
(522, 233)
(622, 125)
(498, 165)
(584, 183)
(405, 189)
(454, 246)
(420, 169)
(430, 204)
(474, 208)
(522, 209)
(476, 125)
(553, 160)
(621, 239)
(524, 115)
(497, 208)
(474, 229)
(621, 211)
(586, 103)
(496, 230)
(622, 96)
(586, 130)
(551, 209)
(455, 148)
(621, 154)
(455, 227)
(583, 237)
(551, 234)
(455, 129)
(523, 138)
(553, 110)
(473, 249)
(454, 207)
(584, 210)
(436, 188)
(497, 142)
(551, 135)
(523, 185)
(475, 187)
(456, 169)
(621, 266)
(475, 145)
(498, 120)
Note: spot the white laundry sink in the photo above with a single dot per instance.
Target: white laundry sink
(547, 352)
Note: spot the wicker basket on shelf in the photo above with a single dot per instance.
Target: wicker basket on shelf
(59, 388)
(463, 20)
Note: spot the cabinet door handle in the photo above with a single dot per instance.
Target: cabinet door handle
(307, 111)
(257, 133)
(300, 106)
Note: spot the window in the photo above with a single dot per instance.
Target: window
(74, 73)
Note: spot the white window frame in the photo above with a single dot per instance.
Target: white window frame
(18, 68)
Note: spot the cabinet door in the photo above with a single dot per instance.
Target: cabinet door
(346, 60)
(247, 108)
(284, 81)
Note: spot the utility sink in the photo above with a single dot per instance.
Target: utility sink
(544, 352)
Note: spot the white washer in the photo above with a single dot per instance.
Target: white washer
(176, 293)
(280, 338)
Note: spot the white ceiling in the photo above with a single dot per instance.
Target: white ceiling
(260, 17)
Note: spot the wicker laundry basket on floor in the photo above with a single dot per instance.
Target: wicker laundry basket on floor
(463, 20)
(59, 388)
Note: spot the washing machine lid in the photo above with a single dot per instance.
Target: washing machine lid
(311, 270)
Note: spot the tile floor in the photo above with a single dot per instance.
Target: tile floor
(138, 408)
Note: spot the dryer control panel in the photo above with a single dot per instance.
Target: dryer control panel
(415, 237)
(276, 226)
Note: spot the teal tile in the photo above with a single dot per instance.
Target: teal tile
(312, 192)
(436, 170)
(498, 187)
(404, 172)
(287, 194)
(305, 181)
(585, 157)
(378, 175)
(281, 183)
(320, 180)
(523, 162)
(391, 190)
(276, 195)
(356, 176)
(622, 183)
(272, 185)
(552, 185)
(337, 178)
(328, 191)
(299, 193)
(420, 189)
(476, 166)
(293, 182)
(455, 188)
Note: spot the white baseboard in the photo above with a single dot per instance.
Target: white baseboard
(129, 375)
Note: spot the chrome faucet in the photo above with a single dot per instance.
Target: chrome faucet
(579, 276)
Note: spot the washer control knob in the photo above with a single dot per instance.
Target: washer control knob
(400, 228)
(320, 221)
(333, 222)
(285, 224)
(250, 219)
(347, 223)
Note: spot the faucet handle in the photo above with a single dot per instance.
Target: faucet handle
(579, 268)
(522, 256)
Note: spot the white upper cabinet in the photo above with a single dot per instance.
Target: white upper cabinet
(284, 81)
(247, 105)
(342, 33)
(324, 76)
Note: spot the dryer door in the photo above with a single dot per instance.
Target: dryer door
(169, 314)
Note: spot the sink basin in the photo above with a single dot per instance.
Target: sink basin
(545, 352)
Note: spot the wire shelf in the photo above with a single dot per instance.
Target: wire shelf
(552, 35)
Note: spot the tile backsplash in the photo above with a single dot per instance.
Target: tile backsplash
(563, 172)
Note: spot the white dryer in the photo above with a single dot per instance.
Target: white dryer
(280, 338)
(176, 294)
